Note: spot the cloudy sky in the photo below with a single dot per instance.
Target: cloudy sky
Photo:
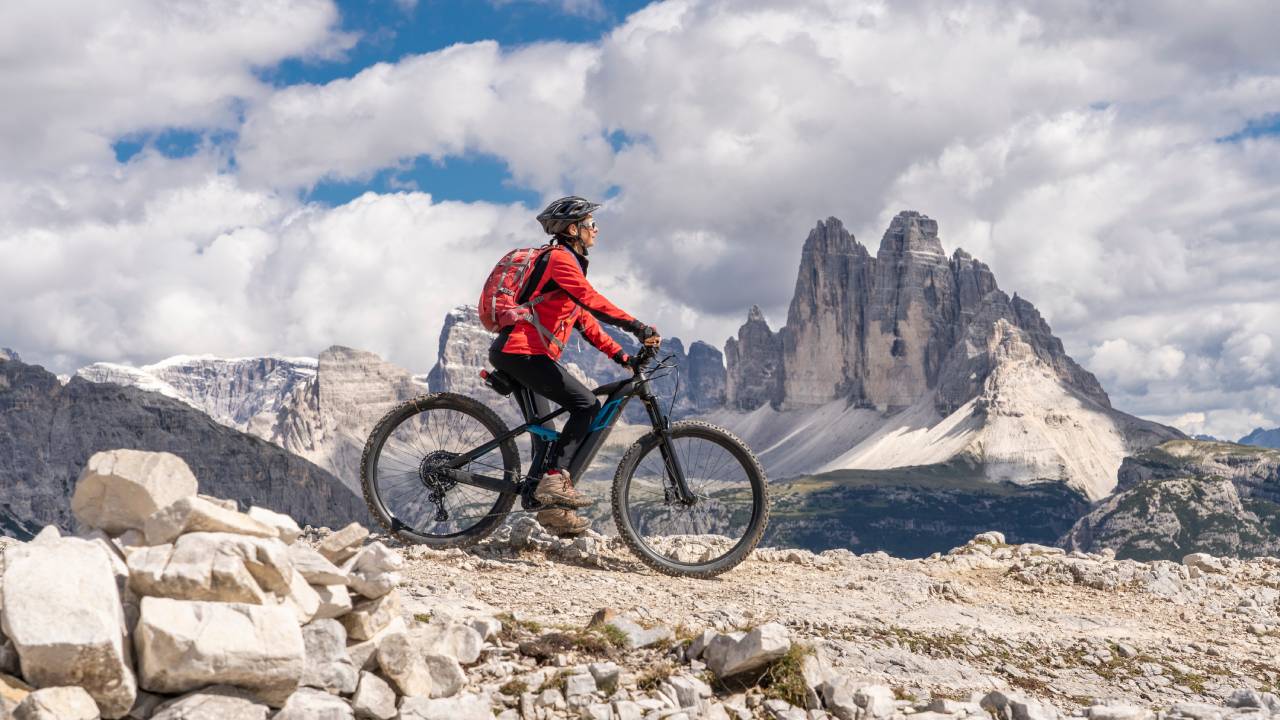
(243, 177)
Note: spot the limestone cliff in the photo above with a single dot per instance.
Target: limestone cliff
(911, 358)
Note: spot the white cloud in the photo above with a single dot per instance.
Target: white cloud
(591, 9)
(79, 73)
(1070, 146)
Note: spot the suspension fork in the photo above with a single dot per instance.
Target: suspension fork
(675, 471)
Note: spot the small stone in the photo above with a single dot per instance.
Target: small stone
(370, 616)
(57, 703)
(580, 684)
(374, 698)
(404, 665)
(606, 675)
(364, 653)
(463, 707)
(1119, 712)
(454, 639)
(988, 538)
(315, 567)
(875, 700)
(447, 677)
(119, 489)
(219, 702)
(637, 636)
(286, 527)
(1204, 562)
(754, 650)
(303, 598)
(343, 544)
(335, 601)
(308, 704)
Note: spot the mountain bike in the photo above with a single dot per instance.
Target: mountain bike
(688, 498)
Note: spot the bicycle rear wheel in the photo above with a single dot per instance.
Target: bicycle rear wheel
(418, 505)
(719, 529)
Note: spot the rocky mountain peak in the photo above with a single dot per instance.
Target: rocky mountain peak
(7, 354)
(911, 232)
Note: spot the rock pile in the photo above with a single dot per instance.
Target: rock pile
(171, 604)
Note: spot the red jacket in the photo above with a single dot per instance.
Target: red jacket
(572, 302)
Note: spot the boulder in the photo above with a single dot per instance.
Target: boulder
(403, 664)
(183, 645)
(315, 567)
(343, 544)
(308, 704)
(377, 558)
(195, 514)
(62, 611)
(213, 703)
(328, 666)
(1204, 562)
(374, 699)
(373, 584)
(57, 703)
(367, 618)
(119, 489)
(729, 655)
(220, 567)
(876, 701)
(286, 527)
(335, 600)
(463, 707)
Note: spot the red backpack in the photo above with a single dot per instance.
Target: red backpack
(498, 306)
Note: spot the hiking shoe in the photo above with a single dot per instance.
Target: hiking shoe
(562, 522)
(555, 489)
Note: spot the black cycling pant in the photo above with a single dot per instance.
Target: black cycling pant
(551, 380)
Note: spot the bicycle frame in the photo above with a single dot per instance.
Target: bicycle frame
(617, 395)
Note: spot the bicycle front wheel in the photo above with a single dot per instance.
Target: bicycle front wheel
(714, 533)
(405, 492)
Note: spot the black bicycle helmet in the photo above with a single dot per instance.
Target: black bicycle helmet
(564, 212)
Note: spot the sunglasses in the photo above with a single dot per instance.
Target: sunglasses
(588, 225)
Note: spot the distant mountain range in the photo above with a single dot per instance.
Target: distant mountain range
(49, 430)
(1262, 438)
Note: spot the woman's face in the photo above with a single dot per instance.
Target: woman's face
(587, 231)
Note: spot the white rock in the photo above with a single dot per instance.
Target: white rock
(876, 700)
(119, 489)
(404, 666)
(221, 567)
(48, 534)
(328, 666)
(988, 538)
(606, 675)
(194, 514)
(335, 600)
(373, 584)
(303, 598)
(308, 704)
(463, 707)
(488, 627)
(364, 653)
(286, 527)
(578, 685)
(756, 649)
(454, 639)
(367, 618)
(57, 703)
(183, 645)
(315, 567)
(1119, 712)
(62, 611)
(219, 702)
(638, 636)
(377, 558)
(1204, 562)
(344, 543)
(447, 677)
(374, 698)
